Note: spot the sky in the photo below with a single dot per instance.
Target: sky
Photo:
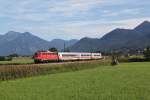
(71, 19)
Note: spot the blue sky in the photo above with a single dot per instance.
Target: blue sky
(71, 19)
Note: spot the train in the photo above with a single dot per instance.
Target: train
(47, 56)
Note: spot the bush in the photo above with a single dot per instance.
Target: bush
(13, 55)
(123, 59)
(137, 60)
(2, 58)
(5, 58)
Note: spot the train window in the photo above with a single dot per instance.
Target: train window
(85, 55)
(96, 55)
(68, 55)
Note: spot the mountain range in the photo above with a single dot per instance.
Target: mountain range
(117, 40)
(27, 44)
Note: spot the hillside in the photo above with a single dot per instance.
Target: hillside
(118, 39)
(27, 44)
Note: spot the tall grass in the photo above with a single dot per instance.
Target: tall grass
(10, 72)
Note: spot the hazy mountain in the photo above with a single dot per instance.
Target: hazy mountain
(21, 43)
(143, 28)
(59, 43)
(86, 44)
(118, 39)
(26, 43)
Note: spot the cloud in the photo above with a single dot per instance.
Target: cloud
(71, 18)
(94, 29)
(70, 7)
(132, 11)
(98, 28)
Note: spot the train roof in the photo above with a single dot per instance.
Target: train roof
(76, 52)
(67, 52)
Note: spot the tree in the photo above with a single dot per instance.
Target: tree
(53, 49)
(147, 53)
(13, 55)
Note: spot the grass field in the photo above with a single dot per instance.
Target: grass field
(18, 60)
(127, 81)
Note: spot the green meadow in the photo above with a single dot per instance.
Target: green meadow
(18, 61)
(127, 81)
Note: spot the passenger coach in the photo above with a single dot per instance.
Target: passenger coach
(47, 56)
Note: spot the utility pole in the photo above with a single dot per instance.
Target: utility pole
(64, 46)
(91, 52)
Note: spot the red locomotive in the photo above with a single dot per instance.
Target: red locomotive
(43, 56)
(47, 56)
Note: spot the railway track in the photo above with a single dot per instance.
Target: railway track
(47, 64)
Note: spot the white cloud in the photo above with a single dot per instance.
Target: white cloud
(70, 18)
(94, 29)
(131, 11)
(70, 7)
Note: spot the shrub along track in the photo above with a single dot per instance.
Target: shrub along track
(8, 72)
